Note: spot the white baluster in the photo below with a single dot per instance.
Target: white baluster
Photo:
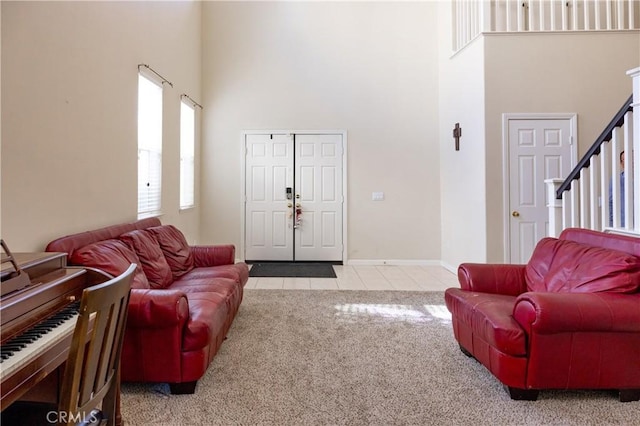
(587, 24)
(473, 19)
(595, 193)
(609, 15)
(552, 13)
(596, 12)
(605, 178)
(520, 16)
(566, 209)
(620, 10)
(635, 75)
(584, 198)
(465, 15)
(485, 15)
(615, 177)
(631, 14)
(627, 208)
(458, 30)
(574, 200)
(463, 23)
(555, 207)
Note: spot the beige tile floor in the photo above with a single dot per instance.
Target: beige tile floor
(387, 277)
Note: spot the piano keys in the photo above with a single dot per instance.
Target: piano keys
(46, 303)
(27, 346)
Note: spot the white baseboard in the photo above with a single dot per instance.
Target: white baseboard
(449, 267)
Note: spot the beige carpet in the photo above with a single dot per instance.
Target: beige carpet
(355, 358)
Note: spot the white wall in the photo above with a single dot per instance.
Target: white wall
(462, 173)
(69, 112)
(583, 73)
(367, 68)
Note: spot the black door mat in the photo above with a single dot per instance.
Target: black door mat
(295, 269)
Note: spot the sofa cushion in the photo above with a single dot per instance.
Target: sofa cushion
(175, 248)
(229, 289)
(490, 318)
(151, 257)
(222, 286)
(237, 272)
(571, 267)
(112, 257)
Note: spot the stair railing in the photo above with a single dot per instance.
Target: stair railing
(599, 193)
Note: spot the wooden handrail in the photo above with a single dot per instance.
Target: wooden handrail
(605, 136)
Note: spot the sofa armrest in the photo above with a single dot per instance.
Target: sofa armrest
(550, 313)
(157, 308)
(492, 278)
(214, 255)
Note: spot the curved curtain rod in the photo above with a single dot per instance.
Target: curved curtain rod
(184, 95)
(164, 80)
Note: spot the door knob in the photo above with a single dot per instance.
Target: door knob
(515, 214)
(289, 205)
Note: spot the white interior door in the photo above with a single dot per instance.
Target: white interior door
(539, 149)
(318, 192)
(308, 226)
(269, 171)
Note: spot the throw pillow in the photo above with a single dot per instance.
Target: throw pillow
(175, 248)
(151, 257)
(571, 267)
(112, 257)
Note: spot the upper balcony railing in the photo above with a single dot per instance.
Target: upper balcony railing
(472, 17)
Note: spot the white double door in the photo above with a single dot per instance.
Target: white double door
(294, 197)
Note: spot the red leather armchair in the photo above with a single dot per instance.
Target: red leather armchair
(569, 319)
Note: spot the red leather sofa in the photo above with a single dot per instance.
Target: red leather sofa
(183, 298)
(569, 319)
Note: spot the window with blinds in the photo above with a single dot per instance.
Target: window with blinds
(187, 155)
(149, 147)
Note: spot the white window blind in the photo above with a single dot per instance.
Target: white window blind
(187, 155)
(149, 147)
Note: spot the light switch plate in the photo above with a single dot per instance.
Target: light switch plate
(377, 196)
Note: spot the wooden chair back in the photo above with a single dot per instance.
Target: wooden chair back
(92, 372)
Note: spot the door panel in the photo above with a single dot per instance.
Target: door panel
(539, 149)
(268, 168)
(319, 187)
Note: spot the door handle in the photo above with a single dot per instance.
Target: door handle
(515, 213)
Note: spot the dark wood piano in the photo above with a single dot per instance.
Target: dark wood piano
(40, 296)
